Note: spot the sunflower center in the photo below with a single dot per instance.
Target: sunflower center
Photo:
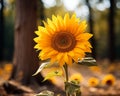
(63, 41)
(93, 82)
(109, 82)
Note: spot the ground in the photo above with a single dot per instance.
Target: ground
(13, 88)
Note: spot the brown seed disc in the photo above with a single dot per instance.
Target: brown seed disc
(63, 41)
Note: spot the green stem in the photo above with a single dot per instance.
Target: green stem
(66, 77)
(66, 72)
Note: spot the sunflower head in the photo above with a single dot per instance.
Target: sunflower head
(76, 78)
(108, 80)
(63, 40)
(93, 82)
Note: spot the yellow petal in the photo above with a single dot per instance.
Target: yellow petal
(66, 20)
(60, 59)
(66, 58)
(81, 28)
(69, 61)
(71, 53)
(73, 18)
(36, 39)
(37, 32)
(48, 28)
(84, 36)
(55, 22)
(37, 46)
(53, 59)
(51, 24)
(59, 56)
(52, 53)
(61, 23)
(81, 45)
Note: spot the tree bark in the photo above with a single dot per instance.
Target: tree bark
(25, 58)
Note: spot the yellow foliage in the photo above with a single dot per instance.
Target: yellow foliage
(8, 67)
(5, 71)
(1, 71)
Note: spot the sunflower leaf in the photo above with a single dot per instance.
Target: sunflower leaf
(52, 74)
(45, 93)
(88, 61)
(42, 66)
(78, 92)
(71, 88)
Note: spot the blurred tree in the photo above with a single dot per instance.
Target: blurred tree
(1, 30)
(111, 30)
(8, 33)
(9, 11)
(40, 13)
(25, 58)
(91, 23)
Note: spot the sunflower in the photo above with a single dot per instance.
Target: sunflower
(76, 78)
(108, 80)
(63, 40)
(93, 82)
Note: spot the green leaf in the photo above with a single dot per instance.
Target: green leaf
(78, 92)
(42, 66)
(53, 73)
(45, 93)
(88, 61)
(71, 88)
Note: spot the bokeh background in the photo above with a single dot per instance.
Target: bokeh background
(103, 19)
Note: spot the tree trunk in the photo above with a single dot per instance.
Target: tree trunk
(111, 31)
(25, 58)
(91, 29)
(1, 31)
